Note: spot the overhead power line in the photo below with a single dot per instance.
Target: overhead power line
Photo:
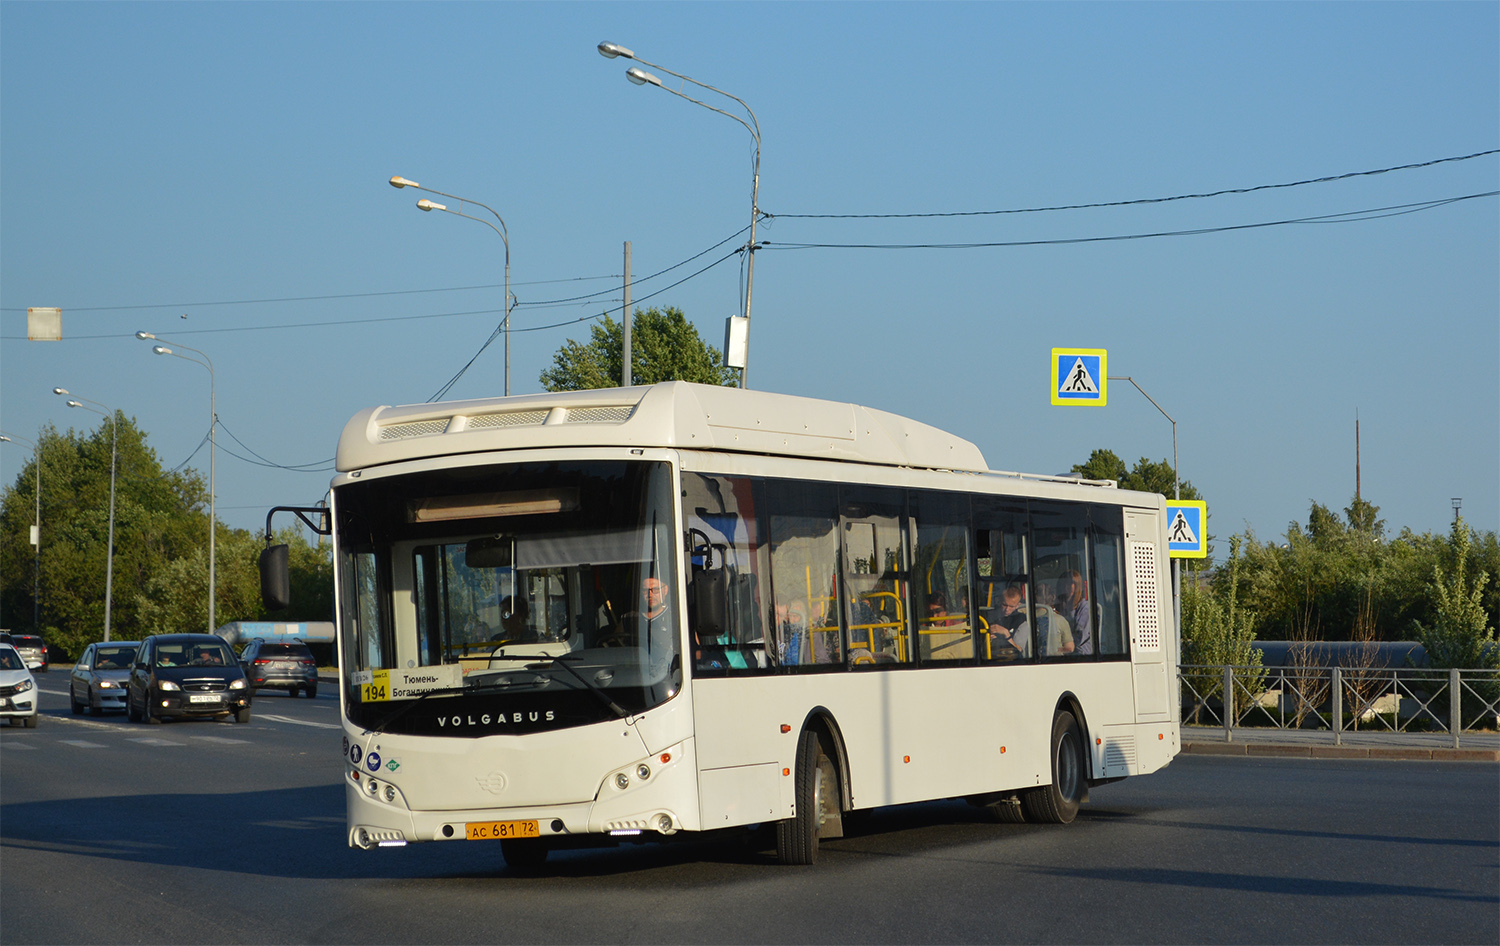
(1142, 200)
(1352, 216)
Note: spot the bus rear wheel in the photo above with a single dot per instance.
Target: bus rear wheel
(818, 808)
(1058, 803)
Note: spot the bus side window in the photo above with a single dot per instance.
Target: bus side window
(942, 598)
(1002, 539)
(1106, 526)
(727, 558)
(875, 576)
(1060, 579)
(804, 544)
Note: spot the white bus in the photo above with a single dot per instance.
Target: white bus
(633, 612)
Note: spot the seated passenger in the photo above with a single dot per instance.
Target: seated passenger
(1010, 629)
(1055, 634)
(1073, 602)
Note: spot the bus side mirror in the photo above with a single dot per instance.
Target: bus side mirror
(275, 578)
(710, 601)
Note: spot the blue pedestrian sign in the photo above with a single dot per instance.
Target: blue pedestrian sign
(1187, 528)
(1079, 376)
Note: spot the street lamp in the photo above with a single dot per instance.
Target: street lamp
(36, 587)
(114, 453)
(426, 205)
(641, 77)
(213, 453)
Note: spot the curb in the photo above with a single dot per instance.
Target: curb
(1402, 753)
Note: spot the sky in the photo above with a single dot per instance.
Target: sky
(216, 174)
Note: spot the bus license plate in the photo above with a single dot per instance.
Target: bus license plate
(500, 830)
(204, 698)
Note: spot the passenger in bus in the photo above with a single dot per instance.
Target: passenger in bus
(1054, 634)
(1072, 601)
(791, 632)
(1010, 629)
(937, 612)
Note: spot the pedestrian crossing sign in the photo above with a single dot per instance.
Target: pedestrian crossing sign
(1187, 528)
(1079, 376)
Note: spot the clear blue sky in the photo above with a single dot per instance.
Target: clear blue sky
(164, 156)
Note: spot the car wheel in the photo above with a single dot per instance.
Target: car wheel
(311, 690)
(146, 710)
(73, 699)
(95, 710)
(291, 692)
(130, 712)
(242, 716)
(30, 721)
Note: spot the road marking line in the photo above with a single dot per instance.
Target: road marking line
(221, 740)
(297, 722)
(81, 743)
(15, 745)
(151, 741)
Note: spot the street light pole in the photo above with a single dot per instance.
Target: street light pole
(399, 182)
(213, 457)
(36, 572)
(1176, 494)
(114, 453)
(642, 77)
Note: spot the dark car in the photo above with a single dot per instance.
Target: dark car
(186, 676)
(32, 649)
(280, 665)
(101, 676)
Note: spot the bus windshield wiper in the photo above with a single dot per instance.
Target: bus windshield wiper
(562, 661)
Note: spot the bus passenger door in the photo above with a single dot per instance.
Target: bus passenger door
(1149, 599)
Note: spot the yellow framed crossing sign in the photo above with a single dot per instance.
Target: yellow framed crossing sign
(1079, 376)
(1187, 528)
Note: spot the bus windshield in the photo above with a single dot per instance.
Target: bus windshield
(508, 598)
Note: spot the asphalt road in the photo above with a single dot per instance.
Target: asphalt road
(204, 832)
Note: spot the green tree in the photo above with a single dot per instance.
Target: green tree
(1217, 630)
(1461, 634)
(159, 516)
(664, 346)
(1148, 475)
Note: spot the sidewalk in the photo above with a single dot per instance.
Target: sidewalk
(1319, 744)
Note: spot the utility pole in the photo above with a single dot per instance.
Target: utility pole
(625, 379)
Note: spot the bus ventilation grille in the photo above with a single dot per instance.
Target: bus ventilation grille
(600, 415)
(1119, 754)
(421, 428)
(508, 419)
(1147, 610)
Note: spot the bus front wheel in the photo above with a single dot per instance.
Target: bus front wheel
(818, 806)
(1058, 803)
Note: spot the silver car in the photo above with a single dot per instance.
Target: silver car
(18, 693)
(101, 677)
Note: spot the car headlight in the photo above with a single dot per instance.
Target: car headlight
(107, 684)
(24, 685)
(167, 685)
(237, 684)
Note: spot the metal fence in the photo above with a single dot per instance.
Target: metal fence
(1341, 699)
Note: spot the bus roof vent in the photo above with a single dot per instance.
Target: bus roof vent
(600, 415)
(508, 419)
(421, 428)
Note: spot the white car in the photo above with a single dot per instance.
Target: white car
(18, 693)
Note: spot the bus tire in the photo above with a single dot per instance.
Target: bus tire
(524, 855)
(1058, 802)
(816, 788)
(1008, 810)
